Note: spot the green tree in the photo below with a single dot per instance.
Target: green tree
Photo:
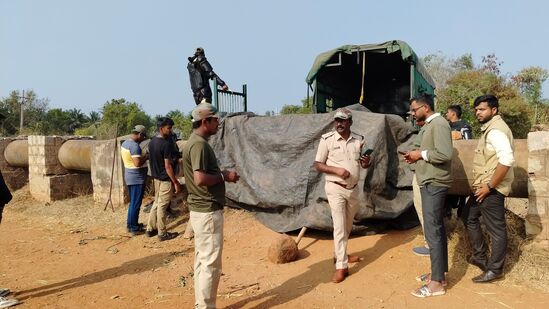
(465, 86)
(530, 81)
(116, 113)
(305, 108)
(183, 124)
(90, 128)
(94, 117)
(55, 122)
(124, 115)
(34, 110)
(77, 119)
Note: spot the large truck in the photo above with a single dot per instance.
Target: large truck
(382, 77)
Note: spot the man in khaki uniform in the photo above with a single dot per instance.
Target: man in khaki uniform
(339, 156)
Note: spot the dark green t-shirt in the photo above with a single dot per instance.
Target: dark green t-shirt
(199, 155)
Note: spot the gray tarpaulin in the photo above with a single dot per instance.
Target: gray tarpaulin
(274, 157)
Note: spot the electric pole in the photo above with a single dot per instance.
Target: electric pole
(23, 98)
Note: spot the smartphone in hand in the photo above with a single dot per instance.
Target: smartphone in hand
(367, 152)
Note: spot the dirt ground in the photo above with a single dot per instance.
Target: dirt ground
(72, 254)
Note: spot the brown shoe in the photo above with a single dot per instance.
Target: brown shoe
(340, 275)
(351, 259)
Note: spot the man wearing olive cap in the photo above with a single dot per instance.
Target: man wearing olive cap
(339, 157)
(205, 183)
(135, 174)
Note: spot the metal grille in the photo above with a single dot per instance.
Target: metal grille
(230, 101)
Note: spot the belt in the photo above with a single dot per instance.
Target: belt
(344, 185)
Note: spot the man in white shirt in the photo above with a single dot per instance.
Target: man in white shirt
(493, 175)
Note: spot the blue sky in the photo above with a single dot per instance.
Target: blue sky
(80, 54)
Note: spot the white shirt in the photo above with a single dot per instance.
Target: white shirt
(497, 141)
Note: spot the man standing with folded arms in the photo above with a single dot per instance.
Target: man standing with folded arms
(493, 175)
(205, 183)
(340, 157)
(433, 166)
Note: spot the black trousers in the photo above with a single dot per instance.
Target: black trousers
(432, 200)
(203, 93)
(492, 210)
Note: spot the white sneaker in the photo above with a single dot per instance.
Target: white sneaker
(5, 302)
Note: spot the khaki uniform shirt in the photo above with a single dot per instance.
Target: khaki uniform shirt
(333, 150)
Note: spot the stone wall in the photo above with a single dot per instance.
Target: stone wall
(103, 155)
(48, 179)
(537, 217)
(15, 177)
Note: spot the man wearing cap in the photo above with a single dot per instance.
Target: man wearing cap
(135, 174)
(205, 183)
(200, 73)
(339, 156)
(161, 152)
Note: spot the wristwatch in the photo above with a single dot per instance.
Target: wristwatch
(489, 186)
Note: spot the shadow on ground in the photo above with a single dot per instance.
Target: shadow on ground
(127, 268)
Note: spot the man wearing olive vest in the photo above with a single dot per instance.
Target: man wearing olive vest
(493, 175)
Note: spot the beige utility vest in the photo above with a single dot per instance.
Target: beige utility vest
(486, 161)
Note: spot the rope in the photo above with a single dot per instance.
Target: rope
(363, 76)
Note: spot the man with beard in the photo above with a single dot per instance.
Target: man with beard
(432, 161)
(493, 175)
(340, 156)
(165, 183)
(205, 183)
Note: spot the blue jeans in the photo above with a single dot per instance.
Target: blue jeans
(136, 196)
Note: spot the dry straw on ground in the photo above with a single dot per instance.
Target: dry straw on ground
(526, 263)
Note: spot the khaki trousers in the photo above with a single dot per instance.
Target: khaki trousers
(343, 205)
(208, 248)
(163, 191)
(417, 201)
(418, 206)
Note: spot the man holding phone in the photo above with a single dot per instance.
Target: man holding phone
(433, 164)
(340, 156)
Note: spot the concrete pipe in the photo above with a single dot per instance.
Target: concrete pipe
(462, 168)
(17, 153)
(76, 155)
